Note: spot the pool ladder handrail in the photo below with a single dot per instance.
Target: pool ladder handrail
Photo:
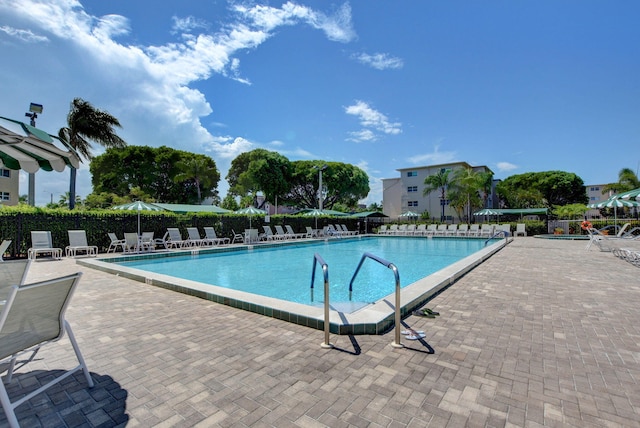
(387, 264)
(500, 232)
(317, 259)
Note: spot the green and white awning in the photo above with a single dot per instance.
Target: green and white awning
(28, 148)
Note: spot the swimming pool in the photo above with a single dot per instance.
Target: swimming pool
(365, 314)
(284, 272)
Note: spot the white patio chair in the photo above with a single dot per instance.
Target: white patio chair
(3, 248)
(41, 243)
(115, 243)
(463, 229)
(175, 238)
(291, 232)
(33, 316)
(521, 230)
(194, 237)
(211, 237)
(78, 244)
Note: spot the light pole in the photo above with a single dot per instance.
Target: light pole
(320, 169)
(34, 109)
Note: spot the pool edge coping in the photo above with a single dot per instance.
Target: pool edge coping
(375, 318)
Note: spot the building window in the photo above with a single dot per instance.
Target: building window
(5, 196)
(412, 174)
(443, 170)
(413, 203)
(411, 189)
(594, 189)
(5, 173)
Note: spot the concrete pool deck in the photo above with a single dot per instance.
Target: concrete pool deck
(543, 333)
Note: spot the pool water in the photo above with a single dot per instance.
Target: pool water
(284, 272)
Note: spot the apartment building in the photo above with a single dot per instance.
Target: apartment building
(9, 186)
(405, 193)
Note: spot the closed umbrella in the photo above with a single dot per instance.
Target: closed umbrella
(137, 206)
(250, 211)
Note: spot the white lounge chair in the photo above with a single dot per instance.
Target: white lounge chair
(268, 234)
(291, 232)
(474, 230)
(12, 272)
(41, 243)
(33, 316)
(175, 238)
(131, 243)
(195, 239)
(521, 230)
(3, 248)
(346, 230)
(115, 243)
(239, 237)
(431, 230)
(212, 238)
(452, 229)
(393, 229)
(78, 244)
(382, 230)
(441, 230)
(463, 229)
(486, 230)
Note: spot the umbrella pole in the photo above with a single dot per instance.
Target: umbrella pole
(138, 222)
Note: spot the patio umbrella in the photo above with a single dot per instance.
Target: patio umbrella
(631, 194)
(25, 147)
(614, 203)
(137, 206)
(250, 211)
(315, 212)
(488, 211)
(409, 214)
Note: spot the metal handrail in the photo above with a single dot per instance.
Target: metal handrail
(503, 232)
(393, 267)
(325, 273)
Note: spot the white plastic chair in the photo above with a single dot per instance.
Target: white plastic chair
(33, 316)
(78, 244)
(41, 243)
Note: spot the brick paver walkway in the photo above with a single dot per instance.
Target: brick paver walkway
(542, 334)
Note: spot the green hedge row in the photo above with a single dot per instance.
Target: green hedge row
(16, 224)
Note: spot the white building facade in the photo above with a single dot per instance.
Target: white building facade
(9, 186)
(405, 193)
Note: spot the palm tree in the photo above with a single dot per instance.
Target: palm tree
(85, 123)
(195, 169)
(465, 187)
(435, 182)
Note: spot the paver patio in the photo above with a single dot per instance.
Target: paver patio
(542, 334)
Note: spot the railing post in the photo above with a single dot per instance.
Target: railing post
(325, 273)
(396, 343)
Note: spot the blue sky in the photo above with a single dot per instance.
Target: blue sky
(518, 86)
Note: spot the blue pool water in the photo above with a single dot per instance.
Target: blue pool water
(284, 272)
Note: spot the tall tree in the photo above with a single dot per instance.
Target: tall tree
(542, 189)
(85, 123)
(439, 181)
(465, 190)
(627, 180)
(200, 172)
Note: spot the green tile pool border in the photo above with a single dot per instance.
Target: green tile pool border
(377, 318)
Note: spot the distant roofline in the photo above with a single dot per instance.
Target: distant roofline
(460, 163)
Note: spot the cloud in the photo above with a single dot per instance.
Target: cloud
(434, 158)
(506, 166)
(185, 25)
(23, 35)
(371, 118)
(379, 61)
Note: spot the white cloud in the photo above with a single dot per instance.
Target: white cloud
(434, 158)
(379, 61)
(506, 166)
(185, 25)
(23, 35)
(371, 118)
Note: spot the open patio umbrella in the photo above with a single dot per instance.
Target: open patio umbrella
(487, 212)
(250, 211)
(409, 214)
(25, 147)
(631, 194)
(614, 203)
(137, 206)
(315, 212)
